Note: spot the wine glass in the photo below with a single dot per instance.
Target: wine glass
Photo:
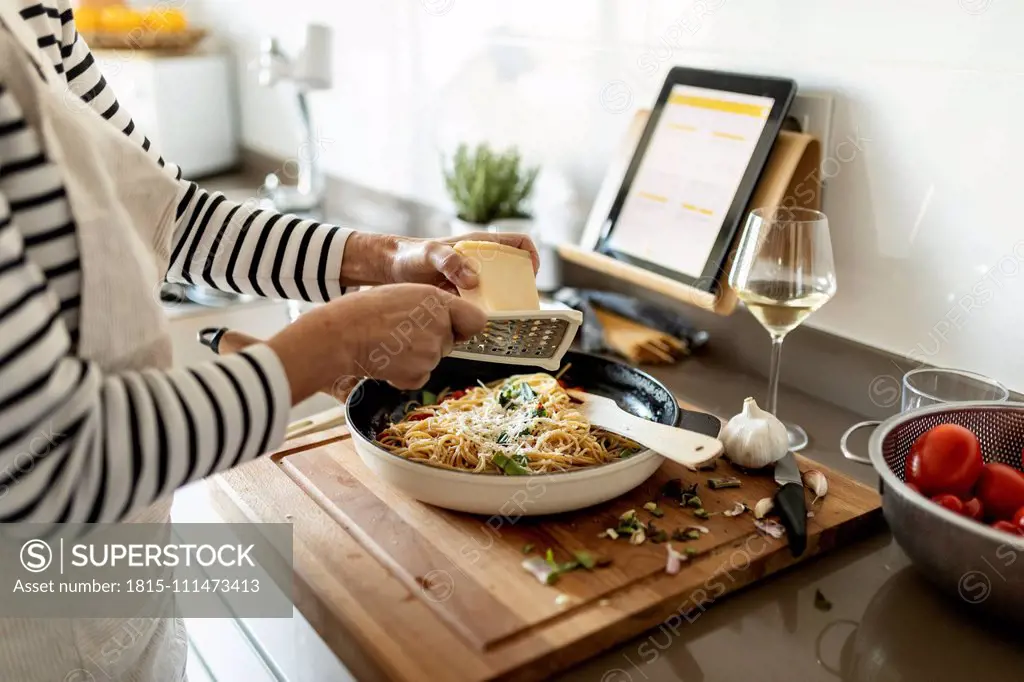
(783, 272)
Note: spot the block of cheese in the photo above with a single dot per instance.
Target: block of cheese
(506, 277)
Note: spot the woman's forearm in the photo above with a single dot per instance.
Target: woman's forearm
(367, 259)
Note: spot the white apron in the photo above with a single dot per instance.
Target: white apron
(124, 206)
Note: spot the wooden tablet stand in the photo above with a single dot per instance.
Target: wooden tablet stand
(791, 177)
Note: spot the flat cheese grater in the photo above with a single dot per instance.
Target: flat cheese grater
(528, 337)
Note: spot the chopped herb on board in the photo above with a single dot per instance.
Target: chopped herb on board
(656, 535)
(629, 523)
(701, 513)
(727, 482)
(653, 508)
(548, 571)
(527, 548)
(585, 559)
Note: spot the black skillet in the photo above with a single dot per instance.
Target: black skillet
(374, 405)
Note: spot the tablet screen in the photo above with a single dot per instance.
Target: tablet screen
(688, 177)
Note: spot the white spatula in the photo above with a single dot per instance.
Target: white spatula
(688, 448)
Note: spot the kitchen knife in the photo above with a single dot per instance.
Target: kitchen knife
(790, 504)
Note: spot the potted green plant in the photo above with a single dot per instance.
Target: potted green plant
(490, 189)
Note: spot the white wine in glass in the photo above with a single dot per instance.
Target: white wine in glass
(783, 271)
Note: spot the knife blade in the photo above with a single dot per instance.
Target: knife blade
(789, 501)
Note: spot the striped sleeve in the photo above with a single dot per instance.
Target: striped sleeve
(225, 245)
(79, 445)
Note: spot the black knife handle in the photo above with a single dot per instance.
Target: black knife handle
(792, 509)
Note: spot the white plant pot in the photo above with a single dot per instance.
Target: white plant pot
(460, 228)
(521, 225)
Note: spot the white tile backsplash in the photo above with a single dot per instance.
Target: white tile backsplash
(926, 131)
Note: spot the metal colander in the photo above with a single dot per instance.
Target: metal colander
(980, 566)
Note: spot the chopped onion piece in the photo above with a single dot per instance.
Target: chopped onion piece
(541, 570)
(737, 509)
(674, 560)
(770, 527)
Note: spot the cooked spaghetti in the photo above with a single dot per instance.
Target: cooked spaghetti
(525, 424)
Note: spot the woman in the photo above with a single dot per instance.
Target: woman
(91, 221)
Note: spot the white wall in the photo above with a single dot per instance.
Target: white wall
(925, 210)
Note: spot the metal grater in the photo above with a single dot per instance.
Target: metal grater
(530, 337)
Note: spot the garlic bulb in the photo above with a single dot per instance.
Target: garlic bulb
(754, 438)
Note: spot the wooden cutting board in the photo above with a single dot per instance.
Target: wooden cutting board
(428, 594)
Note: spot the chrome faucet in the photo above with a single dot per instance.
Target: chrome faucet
(308, 71)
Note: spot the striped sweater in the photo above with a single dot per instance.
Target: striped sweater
(81, 444)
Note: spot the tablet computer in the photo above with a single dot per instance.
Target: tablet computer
(688, 186)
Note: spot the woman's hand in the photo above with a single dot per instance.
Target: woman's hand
(397, 333)
(387, 259)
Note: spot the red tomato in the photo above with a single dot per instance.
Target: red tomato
(1018, 520)
(950, 502)
(974, 509)
(454, 395)
(419, 417)
(1005, 526)
(1001, 489)
(914, 488)
(945, 459)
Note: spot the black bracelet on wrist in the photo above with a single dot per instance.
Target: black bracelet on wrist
(211, 336)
